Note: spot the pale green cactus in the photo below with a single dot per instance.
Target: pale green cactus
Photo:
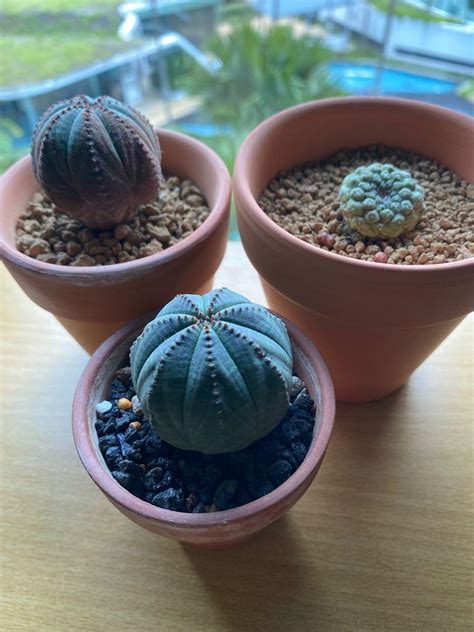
(380, 200)
(213, 373)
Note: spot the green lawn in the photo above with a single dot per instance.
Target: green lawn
(42, 39)
(56, 6)
(27, 59)
(38, 46)
(405, 10)
(466, 90)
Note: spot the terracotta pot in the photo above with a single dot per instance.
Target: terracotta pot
(222, 528)
(92, 302)
(373, 323)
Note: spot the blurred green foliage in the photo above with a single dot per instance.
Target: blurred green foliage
(264, 70)
(9, 152)
(236, 11)
(406, 10)
(466, 90)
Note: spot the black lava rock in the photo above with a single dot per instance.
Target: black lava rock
(113, 457)
(108, 441)
(191, 502)
(131, 468)
(131, 453)
(168, 480)
(211, 476)
(279, 472)
(299, 451)
(186, 481)
(225, 494)
(105, 426)
(189, 471)
(124, 375)
(151, 446)
(117, 390)
(170, 499)
(268, 449)
(303, 401)
(153, 478)
(166, 464)
(242, 497)
(126, 480)
(287, 455)
(289, 431)
(206, 495)
(304, 420)
(133, 436)
(124, 420)
(260, 488)
(249, 473)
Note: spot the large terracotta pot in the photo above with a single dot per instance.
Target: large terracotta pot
(373, 323)
(92, 302)
(222, 528)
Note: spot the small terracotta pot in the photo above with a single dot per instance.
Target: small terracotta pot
(92, 302)
(222, 528)
(373, 323)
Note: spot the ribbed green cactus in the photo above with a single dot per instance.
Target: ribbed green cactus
(97, 159)
(213, 373)
(380, 200)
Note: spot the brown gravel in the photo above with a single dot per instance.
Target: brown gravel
(46, 235)
(304, 201)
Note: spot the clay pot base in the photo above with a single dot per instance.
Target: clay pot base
(92, 301)
(220, 529)
(186, 481)
(389, 360)
(374, 323)
(92, 334)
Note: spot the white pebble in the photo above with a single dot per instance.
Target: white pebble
(136, 406)
(297, 386)
(103, 407)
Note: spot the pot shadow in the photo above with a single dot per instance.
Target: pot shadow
(363, 427)
(255, 585)
(263, 583)
(370, 452)
(364, 449)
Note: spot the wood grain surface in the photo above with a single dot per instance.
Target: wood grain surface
(382, 541)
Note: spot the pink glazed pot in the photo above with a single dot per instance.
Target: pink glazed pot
(373, 323)
(222, 528)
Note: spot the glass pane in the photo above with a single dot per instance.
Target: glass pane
(215, 69)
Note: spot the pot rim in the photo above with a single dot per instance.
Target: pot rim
(263, 223)
(217, 214)
(100, 474)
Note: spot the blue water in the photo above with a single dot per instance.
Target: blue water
(353, 78)
(360, 79)
(204, 129)
(284, 8)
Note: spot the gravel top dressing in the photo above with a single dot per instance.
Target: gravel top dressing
(305, 202)
(187, 481)
(46, 235)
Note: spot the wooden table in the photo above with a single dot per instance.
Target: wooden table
(382, 541)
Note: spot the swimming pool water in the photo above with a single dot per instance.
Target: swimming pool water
(360, 79)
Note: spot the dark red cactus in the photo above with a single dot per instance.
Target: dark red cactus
(97, 159)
